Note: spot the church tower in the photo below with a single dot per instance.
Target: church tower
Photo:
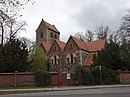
(46, 33)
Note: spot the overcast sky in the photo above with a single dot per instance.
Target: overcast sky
(72, 16)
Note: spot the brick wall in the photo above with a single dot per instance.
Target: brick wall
(124, 77)
(27, 79)
(16, 79)
(22, 79)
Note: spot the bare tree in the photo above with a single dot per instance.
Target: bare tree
(80, 36)
(9, 13)
(124, 31)
(102, 31)
(3, 20)
(89, 35)
(9, 27)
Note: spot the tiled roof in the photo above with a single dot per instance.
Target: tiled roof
(94, 46)
(61, 44)
(51, 27)
(46, 46)
(80, 44)
(89, 61)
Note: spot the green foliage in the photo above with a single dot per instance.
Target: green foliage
(110, 57)
(84, 74)
(13, 56)
(94, 76)
(42, 78)
(105, 76)
(38, 59)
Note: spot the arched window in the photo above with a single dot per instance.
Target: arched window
(71, 58)
(52, 60)
(41, 35)
(74, 58)
(51, 34)
(68, 59)
(56, 59)
(55, 36)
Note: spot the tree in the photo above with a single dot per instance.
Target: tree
(88, 36)
(38, 59)
(110, 57)
(102, 31)
(14, 56)
(104, 76)
(124, 31)
(9, 27)
(80, 36)
(9, 13)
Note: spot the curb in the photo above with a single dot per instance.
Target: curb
(64, 88)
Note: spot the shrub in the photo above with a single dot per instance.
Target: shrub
(42, 78)
(108, 76)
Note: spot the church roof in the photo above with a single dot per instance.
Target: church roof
(61, 44)
(46, 46)
(51, 27)
(95, 46)
(80, 44)
(89, 61)
(92, 46)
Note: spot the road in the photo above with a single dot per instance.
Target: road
(102, 92)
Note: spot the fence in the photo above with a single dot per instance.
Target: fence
(16, 79)
(27, 79)
(124, 77)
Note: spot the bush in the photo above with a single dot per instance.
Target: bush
(93, 76)
(84, 75)
(108, 76)
(42, 78)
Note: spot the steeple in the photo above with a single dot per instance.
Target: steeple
(46, 33)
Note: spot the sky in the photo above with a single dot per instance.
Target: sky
(72, 16)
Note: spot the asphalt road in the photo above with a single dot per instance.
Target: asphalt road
(102, 92)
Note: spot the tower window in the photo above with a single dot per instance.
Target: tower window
(41, 35)
(51, 34)
(55, 36)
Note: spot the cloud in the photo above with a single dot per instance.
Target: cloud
(72, 16)
(97, 13)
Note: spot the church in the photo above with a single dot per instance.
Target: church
(65, 56)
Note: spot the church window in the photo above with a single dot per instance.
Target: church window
(55, 36)
(41, 35)
(51, 34)
(55, 59)
(67, 60)
(71, 58)
(74, 61)
(51, 61)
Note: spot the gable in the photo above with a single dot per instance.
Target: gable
(54, 48)
(45, 47)
(41, 27)
(71, 45)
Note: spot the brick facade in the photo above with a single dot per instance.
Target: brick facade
(46, 33)
(66, 55)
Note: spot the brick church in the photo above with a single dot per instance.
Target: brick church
(66, 55)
